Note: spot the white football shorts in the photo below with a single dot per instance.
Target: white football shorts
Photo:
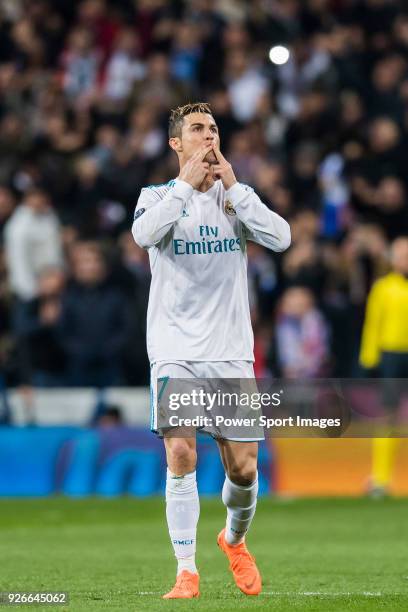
(164, 371)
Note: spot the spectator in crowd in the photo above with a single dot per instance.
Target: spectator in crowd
(262, 280)
(7, 205)
(145, 137)
(186, 52)
(110, 418)
(32, 245)
(80, 65)
(107, 139)
(123, 68)
(159, 88)
(41, 358)
(135, 275)
(93, 323)
(302, 337)
(88, 193)
(307, 64)
(245, 84)
(304, 265)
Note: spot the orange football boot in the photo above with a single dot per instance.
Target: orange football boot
(242, 565)
(186, 587)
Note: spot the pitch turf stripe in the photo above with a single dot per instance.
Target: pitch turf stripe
(321, 594)
(299, 593)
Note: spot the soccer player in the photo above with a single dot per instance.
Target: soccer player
(198, 323)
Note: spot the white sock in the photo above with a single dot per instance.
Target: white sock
(241, 504)
(182, 511)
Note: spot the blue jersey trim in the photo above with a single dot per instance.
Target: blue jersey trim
(168, 184)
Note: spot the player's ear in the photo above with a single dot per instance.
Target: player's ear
(175, 144)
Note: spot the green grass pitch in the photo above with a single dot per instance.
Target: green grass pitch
(114, 554)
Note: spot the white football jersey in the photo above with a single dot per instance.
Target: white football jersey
(198, 304)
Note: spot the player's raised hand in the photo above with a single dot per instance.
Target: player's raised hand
(223, 169)
(196, 169)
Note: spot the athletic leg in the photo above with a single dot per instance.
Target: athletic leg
(240, 490)
(239, 495)
(182, 511)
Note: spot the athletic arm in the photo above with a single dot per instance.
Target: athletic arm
(262, 224)
(370, 351)
(154, 217)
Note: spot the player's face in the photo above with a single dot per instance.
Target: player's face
(399, 254)
(199, 129)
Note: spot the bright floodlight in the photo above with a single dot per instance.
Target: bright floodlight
(279, 55)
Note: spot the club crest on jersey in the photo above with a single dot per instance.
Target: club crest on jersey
(229, 209)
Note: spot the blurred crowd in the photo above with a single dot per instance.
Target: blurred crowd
(85, 92)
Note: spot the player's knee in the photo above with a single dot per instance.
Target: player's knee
(181, 458)
(243, 474)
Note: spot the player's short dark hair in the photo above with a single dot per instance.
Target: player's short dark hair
(177, 116)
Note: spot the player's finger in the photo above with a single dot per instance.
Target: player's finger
(199, 155)
(202, 151)
(206, 149)
(218, 153)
